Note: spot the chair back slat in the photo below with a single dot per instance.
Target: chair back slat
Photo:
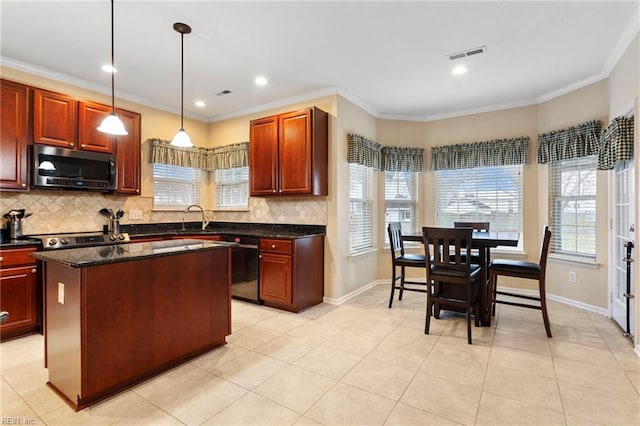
(395, 239)
(544, 250)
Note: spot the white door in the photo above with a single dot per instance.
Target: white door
(622, 234)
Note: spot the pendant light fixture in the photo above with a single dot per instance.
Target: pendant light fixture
(181, 138)
(112, 124)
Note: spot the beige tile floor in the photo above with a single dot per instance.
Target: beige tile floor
(361, 363)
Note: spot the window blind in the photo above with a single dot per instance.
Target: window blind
(232, 187)
(572, 207)
(175, 186)
(360, 207)
(400, 200)
(481, 194)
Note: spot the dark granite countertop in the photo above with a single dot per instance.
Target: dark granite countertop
(23, 242)
(91, 256)
(260, 230)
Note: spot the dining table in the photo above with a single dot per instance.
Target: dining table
(483, 241)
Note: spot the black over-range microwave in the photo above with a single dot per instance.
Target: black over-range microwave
(54, 167)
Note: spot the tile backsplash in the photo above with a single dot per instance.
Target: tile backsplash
(71, 211)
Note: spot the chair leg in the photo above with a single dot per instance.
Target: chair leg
(393, 284)
(427, 321)
(493, 283)
(543, 305)
(402, 271)
(469, 299)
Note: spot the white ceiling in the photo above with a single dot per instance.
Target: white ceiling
(388, 57)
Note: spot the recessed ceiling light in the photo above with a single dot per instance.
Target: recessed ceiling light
(261, 81)
(459, 70)
(200, 104)
(109, 68)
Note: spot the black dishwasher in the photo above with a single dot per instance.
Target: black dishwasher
(244, 268)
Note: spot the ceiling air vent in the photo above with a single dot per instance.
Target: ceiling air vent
(224, 92)
(466, 53)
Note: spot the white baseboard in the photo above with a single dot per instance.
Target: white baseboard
(354, 293)
(636, 349)
(554, 297)
(560, 299)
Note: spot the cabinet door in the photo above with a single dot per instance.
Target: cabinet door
(90, 116)
(18, 297)
(295, 153)
(55, 119)
(263, 157)
(14, 136)
(128, 151)
(275, 278)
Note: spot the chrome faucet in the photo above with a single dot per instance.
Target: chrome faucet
(205, 221)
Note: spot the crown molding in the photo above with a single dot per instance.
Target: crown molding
(98, 88)
(618, 50)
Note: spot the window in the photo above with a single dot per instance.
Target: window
(400, 200)
(572, 207)
(175, 186)
(360, 207)
(482, 194)
(232, 187)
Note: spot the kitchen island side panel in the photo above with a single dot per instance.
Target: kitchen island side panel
(125, 321)
(63, 329)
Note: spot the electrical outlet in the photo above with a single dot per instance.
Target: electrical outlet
(258, 214)
(135, 214)
(61, 293)
(572, 276)
(303, 214)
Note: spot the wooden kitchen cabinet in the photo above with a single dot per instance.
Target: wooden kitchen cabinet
(55, 119)
(292, 272)
(90, 116)
(14, 136)
(128, 149)
(288, 154)
(19, 293)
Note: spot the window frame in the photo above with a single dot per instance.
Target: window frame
(367, 207)
(221, 186)
(556, 199)
(195, 183)
(412, 201)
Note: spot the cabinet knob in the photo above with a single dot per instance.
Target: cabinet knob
(23, 185)
(137, 191)
(70, 143)
(34, 270)
(82, 145)
(1, 258)
(273, 246)
(274, 191)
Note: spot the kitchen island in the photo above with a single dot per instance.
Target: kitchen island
(118, 314)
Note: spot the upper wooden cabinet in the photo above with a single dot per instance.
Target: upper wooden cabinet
(128, 151)
(55, 119)
(288, 154)
(90, 116)
(14, 136)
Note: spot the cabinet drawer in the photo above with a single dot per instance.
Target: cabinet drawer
(17, 257)
(275, 246)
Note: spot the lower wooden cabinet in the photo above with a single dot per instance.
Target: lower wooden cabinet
(19, 293)
(292, 272)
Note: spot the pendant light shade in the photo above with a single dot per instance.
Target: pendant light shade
(181, 138)
(112, 125)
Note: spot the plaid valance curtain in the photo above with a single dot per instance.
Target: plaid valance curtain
(209, 159)
(401, 159)
(616, 143)
(228, 156)
(578, 141)
(497, 152)
(363, 151)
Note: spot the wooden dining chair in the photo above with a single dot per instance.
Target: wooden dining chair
(402, 260)
(455, 279)
(522, 269)
(476, 226)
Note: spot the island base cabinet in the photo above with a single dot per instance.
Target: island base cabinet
(110, 326)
